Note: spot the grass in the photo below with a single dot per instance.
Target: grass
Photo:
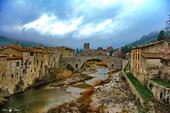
(145, 93)
(127, 68)
(163, 83)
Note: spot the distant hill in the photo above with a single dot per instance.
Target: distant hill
(6, 41)
(151, 37)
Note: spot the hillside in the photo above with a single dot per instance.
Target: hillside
(6, 41)
(151, 37)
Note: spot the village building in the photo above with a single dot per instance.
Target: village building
(118, 53)
(62, 51)
(151, 63)
(22, 66)
(10, 73)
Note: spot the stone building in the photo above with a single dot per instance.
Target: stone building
(20, 67)
(62, 51)
(151, 63)
(147, 60)
(86, 46)
(118, 53)
(10, 73)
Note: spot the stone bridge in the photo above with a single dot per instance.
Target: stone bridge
(77, 62)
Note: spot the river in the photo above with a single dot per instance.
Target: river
(38, 100)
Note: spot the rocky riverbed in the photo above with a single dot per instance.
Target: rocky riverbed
(111, 97)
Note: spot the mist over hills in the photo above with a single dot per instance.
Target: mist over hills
(6, 41)
(145, 39)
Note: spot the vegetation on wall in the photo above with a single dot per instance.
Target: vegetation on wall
(163, 83)
(145, 93)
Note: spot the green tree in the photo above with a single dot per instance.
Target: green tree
(161, 35)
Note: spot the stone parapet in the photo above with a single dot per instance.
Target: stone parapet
(160, 92)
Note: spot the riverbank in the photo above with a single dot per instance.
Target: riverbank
(2, 99)
(71, 81)
(68, 88)
(53, 76)
(112, 96)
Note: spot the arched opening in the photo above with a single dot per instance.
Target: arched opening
(91, 62)
(69, 67)
(76, 66)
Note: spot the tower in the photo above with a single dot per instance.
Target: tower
(86, 46)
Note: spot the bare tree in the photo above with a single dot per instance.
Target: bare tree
(167, 28)
(168, 21)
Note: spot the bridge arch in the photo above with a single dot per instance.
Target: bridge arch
(77, 62)
(92, 59)
(69, 67)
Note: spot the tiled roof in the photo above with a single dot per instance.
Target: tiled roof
(34, 50)
(150, 44)
(14, 58)
(22, 49)
(19, 48)
(11, 57)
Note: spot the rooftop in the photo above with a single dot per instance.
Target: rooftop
(150, 44)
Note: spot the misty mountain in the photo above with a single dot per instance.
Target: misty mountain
(151, 37)
(6, 41)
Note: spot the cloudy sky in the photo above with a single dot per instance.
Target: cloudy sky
(73, 22)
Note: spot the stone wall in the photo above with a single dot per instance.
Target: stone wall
(133, 89)
(160, 92)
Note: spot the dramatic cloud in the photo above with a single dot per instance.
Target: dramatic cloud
(51, 25)
(73, 22)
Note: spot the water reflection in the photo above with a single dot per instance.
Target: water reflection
(100, 74)
(43, 98)
(37, 100)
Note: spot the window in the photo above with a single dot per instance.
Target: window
(17, 64)
(76, 65)
(133, 56)
(24, 71)
(12, 75)
(26, 62)
(138, 56)
(31, 54)
(138, 66)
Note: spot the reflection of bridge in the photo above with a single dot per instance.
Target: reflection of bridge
(77, 62)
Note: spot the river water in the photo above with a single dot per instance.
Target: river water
(38, 100)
